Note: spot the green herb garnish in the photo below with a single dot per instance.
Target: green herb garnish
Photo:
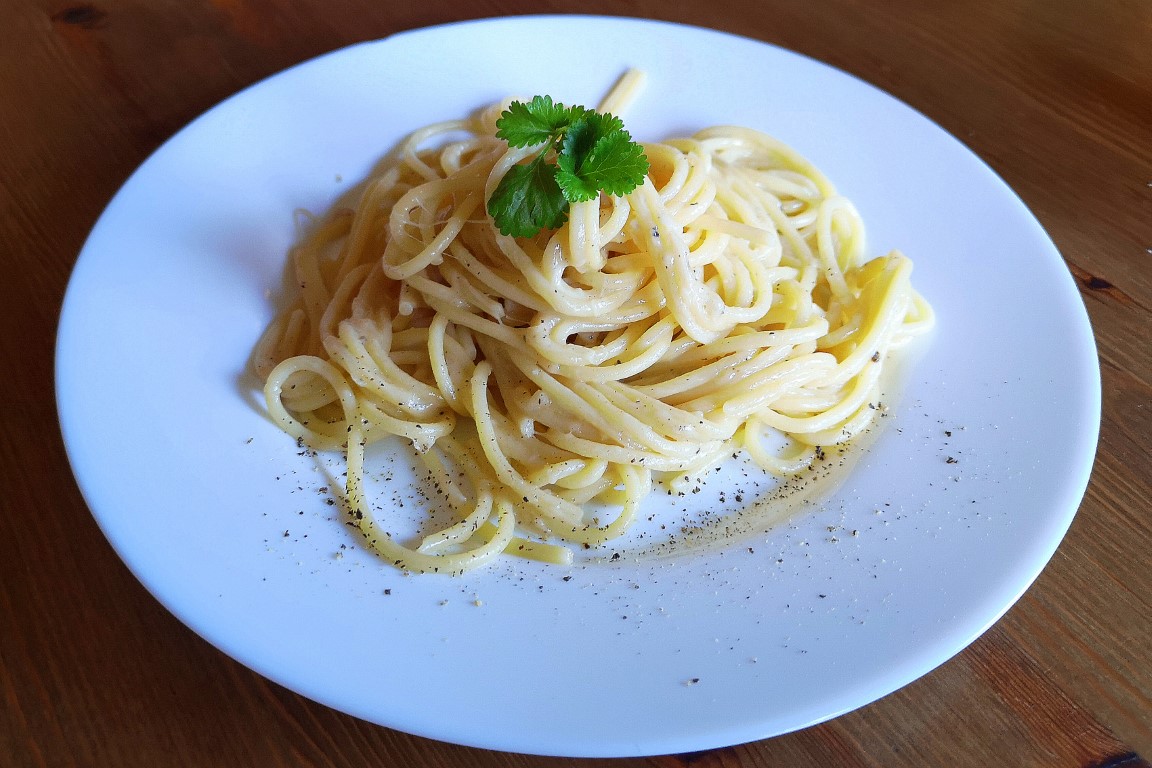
(582, 154)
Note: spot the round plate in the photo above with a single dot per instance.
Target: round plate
(940, 527)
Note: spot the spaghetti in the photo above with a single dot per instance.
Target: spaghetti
(550, 382)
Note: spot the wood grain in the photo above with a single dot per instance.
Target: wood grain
(1055, 96)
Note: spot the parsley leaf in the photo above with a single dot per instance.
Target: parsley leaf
(529, 199)
(583, 153)
(586, 130)
(611, 166)
(538, 121)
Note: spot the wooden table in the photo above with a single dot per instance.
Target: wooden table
(1056, 96)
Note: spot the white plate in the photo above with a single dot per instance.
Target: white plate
(217, 514)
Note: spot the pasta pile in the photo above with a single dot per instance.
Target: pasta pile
(549, 383)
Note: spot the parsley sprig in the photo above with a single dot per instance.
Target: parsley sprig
(582, 153)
